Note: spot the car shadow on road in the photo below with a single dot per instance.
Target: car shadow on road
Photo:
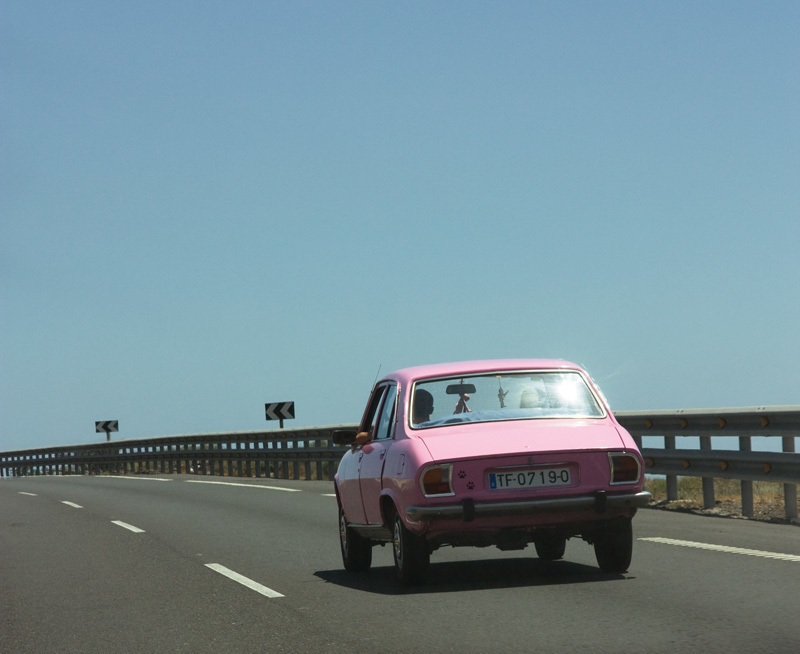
(474, 575)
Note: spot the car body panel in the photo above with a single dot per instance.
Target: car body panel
(371, 478)
(348, 488)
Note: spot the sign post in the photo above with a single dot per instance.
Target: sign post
(279, 411)
(106, 426)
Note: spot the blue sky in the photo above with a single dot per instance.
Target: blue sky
(206, 206)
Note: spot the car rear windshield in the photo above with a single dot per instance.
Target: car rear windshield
(502, 396)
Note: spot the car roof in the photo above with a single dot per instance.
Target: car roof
(407, 375)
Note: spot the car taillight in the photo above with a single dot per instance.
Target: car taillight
(625, 468)
(436, 480)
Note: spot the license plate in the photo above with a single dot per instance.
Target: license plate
(533, 478)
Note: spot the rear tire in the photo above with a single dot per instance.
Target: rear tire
(411, 555)
(613, 545)
(356, 550)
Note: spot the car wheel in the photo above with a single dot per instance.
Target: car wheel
(550, 547)
(356, 550)
(613, 545)
(411, 555)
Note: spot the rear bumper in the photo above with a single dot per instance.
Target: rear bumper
(467, 510)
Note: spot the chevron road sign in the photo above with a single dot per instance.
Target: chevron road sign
(279, 411)
(107, 426)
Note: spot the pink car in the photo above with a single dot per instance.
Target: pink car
(479, 453)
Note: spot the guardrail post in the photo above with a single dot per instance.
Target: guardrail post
(672, 480)
(708, 482)
(745, 445)
(789, 490)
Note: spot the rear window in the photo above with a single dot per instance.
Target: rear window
(502, 396)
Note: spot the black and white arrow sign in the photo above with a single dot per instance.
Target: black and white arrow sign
(279, 410)
(106, 426)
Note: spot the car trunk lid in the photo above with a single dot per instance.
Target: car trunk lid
(498, 439)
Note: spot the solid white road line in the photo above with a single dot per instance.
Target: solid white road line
(228, 483)
(249, 583)
(72, 504)
(133, 478)
(724, 548)
(125, 525)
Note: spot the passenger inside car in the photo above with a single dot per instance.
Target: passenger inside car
(530, 398)
(423, 406)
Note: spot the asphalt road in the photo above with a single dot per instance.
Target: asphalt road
(178, 564)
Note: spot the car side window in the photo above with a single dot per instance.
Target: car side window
(386, 420)
(368, 423)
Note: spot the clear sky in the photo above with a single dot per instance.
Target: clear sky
(207, 206)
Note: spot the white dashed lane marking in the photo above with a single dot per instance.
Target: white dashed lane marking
(724, 548)
(125, 525)
(249, 583)
(72, 504)
(29, 494)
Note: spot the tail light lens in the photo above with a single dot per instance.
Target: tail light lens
(437, 480)
(625, 468)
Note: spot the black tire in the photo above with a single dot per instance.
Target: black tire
(550, 547)
(613, 545)
(411, 555)
(356, 550)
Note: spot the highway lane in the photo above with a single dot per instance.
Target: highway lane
(71, 580)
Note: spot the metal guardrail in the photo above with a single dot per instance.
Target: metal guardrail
(745, 423)
(282, 454)
(311, 454)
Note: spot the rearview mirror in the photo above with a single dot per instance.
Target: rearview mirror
(460, 389)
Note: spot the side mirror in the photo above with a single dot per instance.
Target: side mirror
(344, 436)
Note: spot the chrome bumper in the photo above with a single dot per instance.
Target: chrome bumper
(468, 510)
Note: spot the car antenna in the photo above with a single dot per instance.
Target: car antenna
(377, 373)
